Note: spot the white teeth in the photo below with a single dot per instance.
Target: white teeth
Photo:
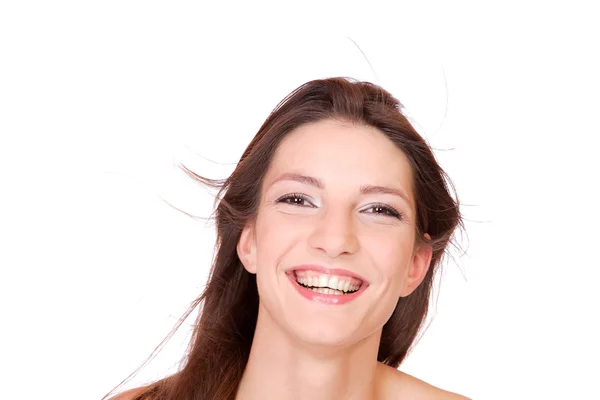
(323, 280)
(346, 286)
(327, 284)
(333, 282)
(327, 291)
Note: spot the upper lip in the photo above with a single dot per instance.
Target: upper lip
(324, 270)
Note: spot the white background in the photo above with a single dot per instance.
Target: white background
(98, 99)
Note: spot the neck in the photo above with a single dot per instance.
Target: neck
(281, 368)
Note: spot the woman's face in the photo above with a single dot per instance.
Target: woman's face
(324, 230)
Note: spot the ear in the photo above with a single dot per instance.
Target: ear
(417, 269)
(246, 248)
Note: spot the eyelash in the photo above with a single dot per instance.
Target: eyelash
(392, 212)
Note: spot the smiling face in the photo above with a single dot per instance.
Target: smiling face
(337, 196)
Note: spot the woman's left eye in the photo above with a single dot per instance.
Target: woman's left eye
(386, 210)
(297, 198)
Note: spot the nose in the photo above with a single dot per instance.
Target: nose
(334, 233)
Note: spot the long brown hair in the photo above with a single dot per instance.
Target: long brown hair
(222, 336)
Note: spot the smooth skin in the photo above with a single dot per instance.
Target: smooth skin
(303, 350)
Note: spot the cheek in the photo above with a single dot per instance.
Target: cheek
(389, 253)
(277, 224)
(275, 235)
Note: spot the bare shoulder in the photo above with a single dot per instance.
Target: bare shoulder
(129, 394)
(399, 384)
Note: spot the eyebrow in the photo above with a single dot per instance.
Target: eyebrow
(364, 189)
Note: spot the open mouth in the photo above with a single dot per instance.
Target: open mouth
(327, 284)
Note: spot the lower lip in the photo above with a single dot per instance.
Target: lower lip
(329, 299)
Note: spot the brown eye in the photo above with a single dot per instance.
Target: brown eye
(293, 199)
(385, 210)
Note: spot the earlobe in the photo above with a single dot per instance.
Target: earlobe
(246, 248)
(417, 268)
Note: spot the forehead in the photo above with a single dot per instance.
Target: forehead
(342, 155)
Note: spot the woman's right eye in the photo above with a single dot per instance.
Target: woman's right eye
(294, 199)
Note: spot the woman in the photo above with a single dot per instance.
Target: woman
(330, 231)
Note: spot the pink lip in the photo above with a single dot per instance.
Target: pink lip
(334, 271)
(329, 299)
